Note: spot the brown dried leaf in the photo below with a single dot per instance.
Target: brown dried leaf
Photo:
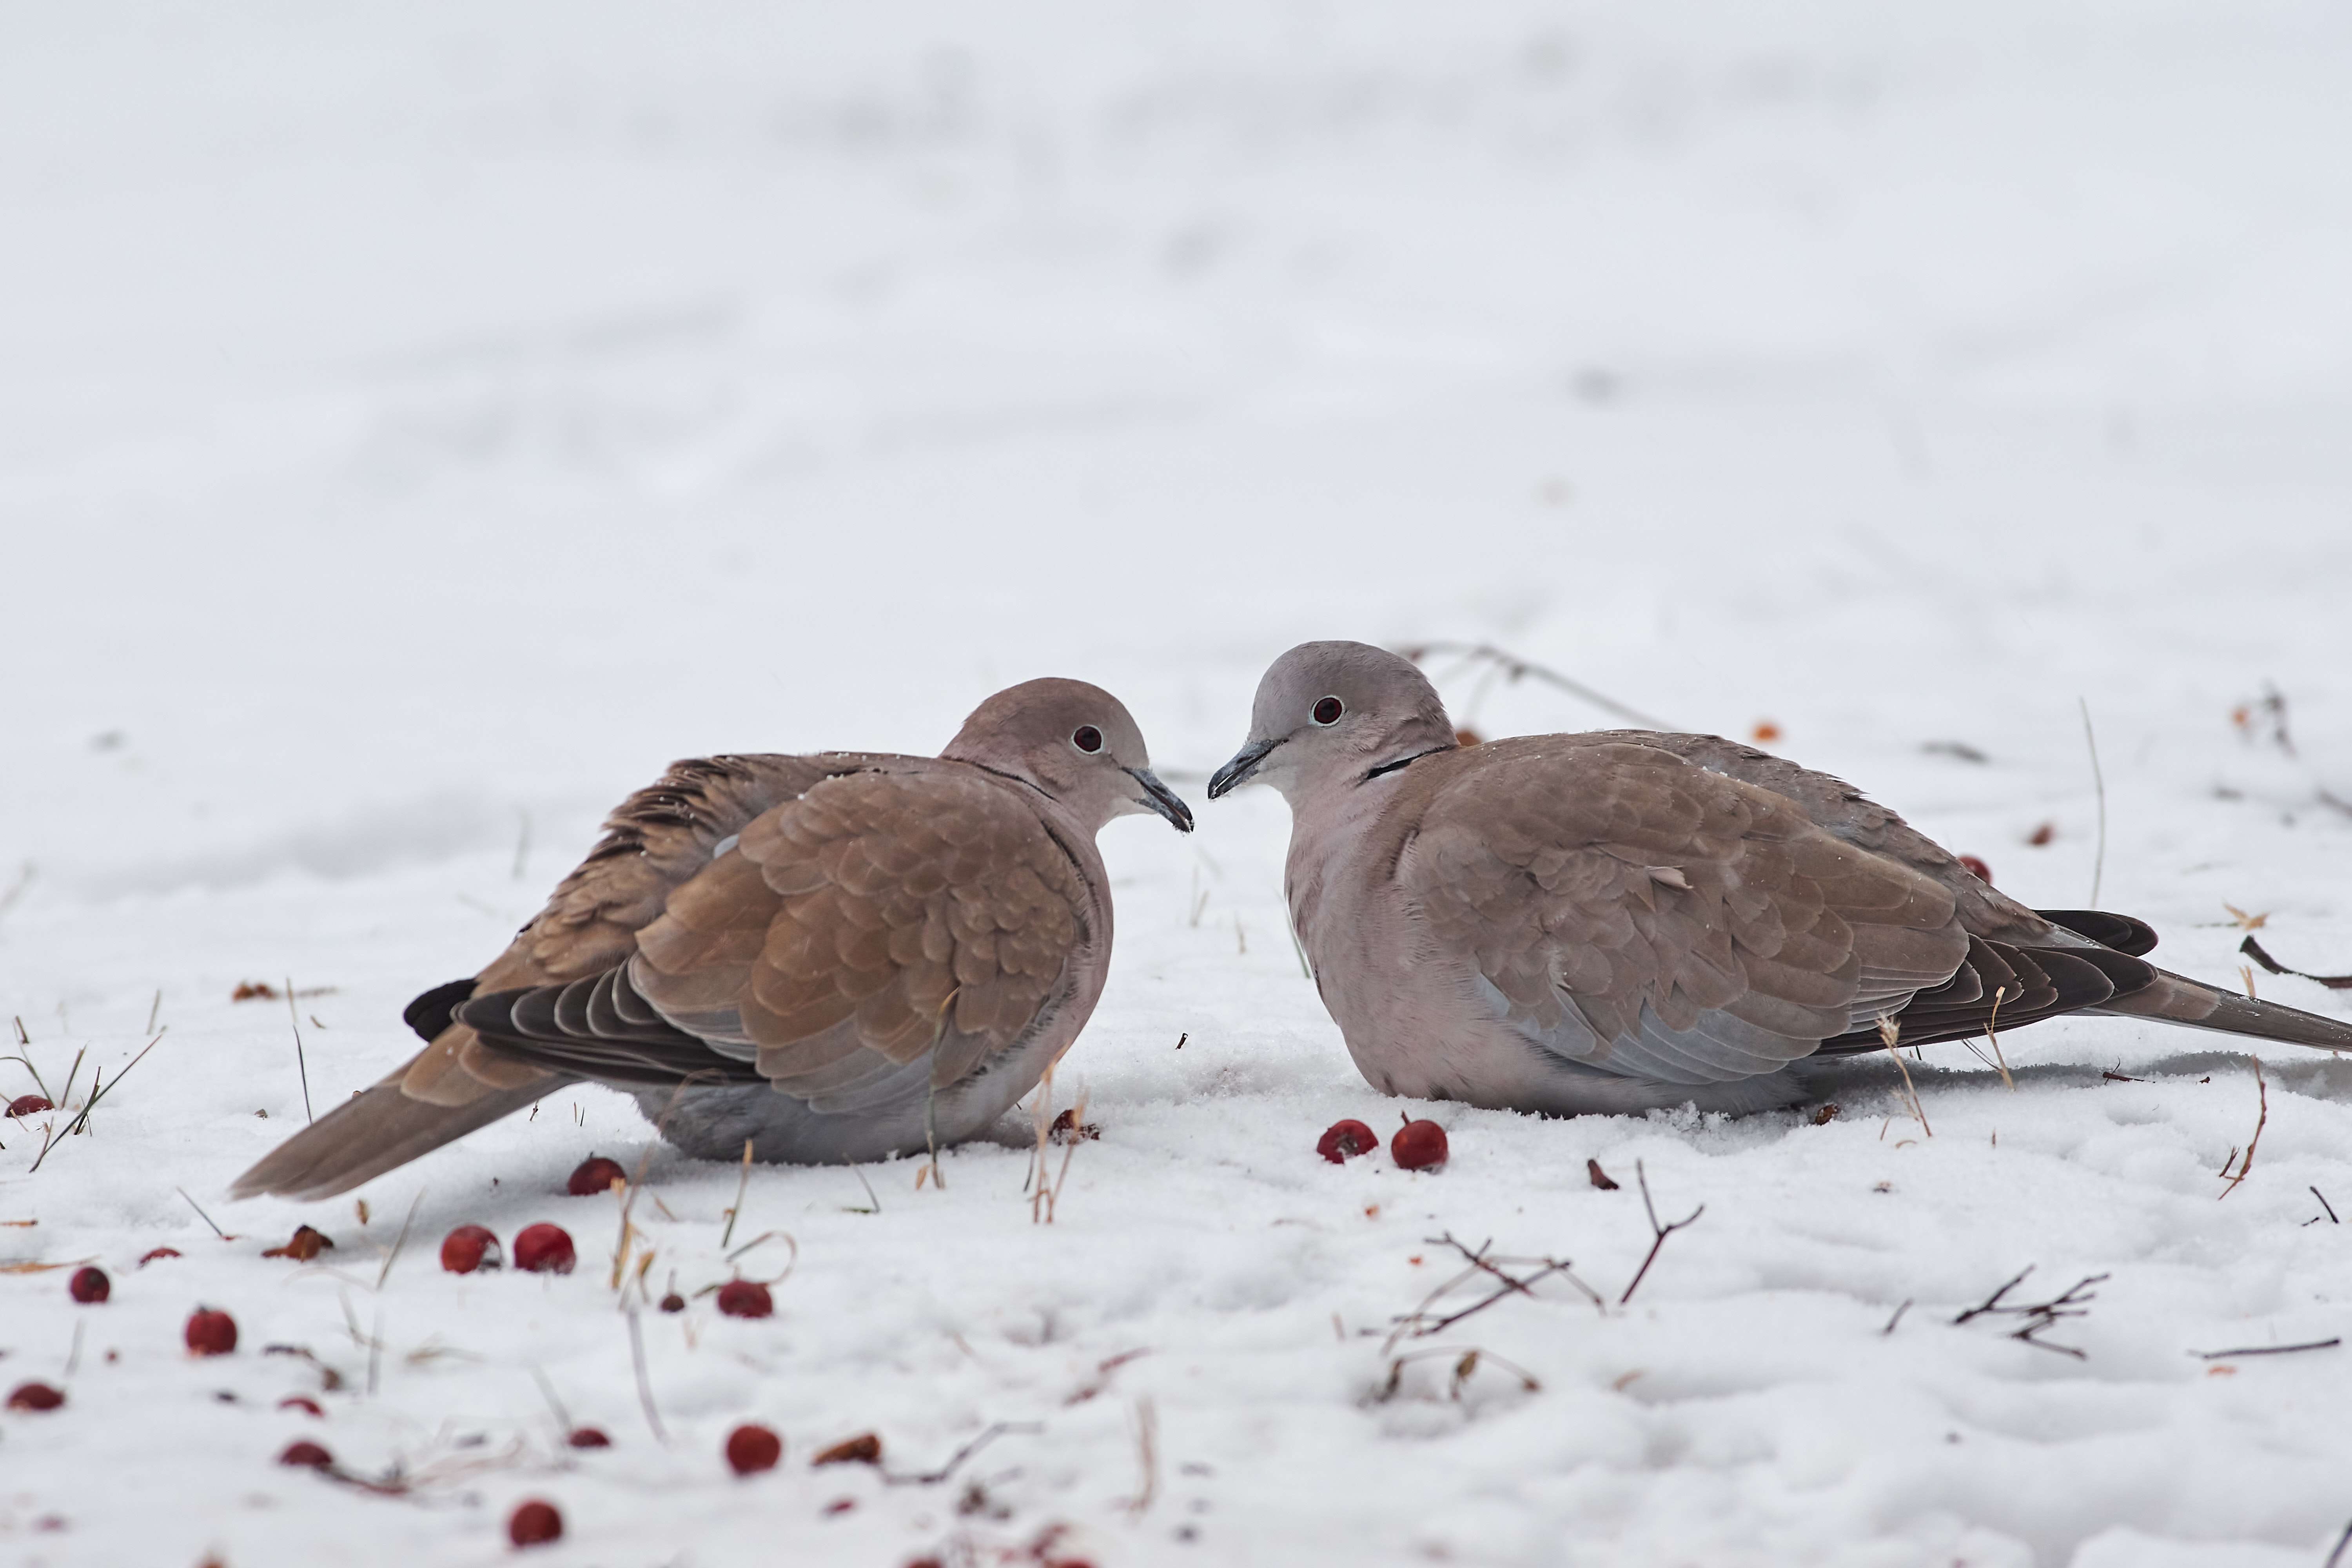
(866, 1448)
(303, 1246)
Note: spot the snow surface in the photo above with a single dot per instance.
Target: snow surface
(419, 423)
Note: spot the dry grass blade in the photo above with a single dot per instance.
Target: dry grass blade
(399, 1241)
(743, 1185)
(1889, 1032)
(300, 1065)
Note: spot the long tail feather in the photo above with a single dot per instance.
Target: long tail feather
(364, 1137)
(2177, 999)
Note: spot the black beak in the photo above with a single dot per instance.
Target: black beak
(1158, 797)
(1235, 773)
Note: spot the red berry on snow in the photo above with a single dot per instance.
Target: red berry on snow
(302, 1402)
(305, 1454)
(751, 1449)
(1343, 1140)
(745, 1299)
(589, 1437)
(534, 1523)
(211, 1332)
(90, 1286)
(1978, 869)
(29, 1105)
(673, 1303)
(543, 1248)
(469, 1247)
(1418, 1145)
(595, 1174)
(160, 1252)
(36, 1396)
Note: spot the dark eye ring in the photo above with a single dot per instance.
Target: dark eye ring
(1087, 738)
(1327, 712)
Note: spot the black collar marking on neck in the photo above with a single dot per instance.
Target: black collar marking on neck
(1402, 763)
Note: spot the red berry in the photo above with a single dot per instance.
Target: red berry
(1418, 1145)
(90, 1286)
(673, 1303)
(305, 1454)
(211, 1332)
(469, 1247)
(1978, 869)
(751, 1449)
(595, 1174)
(302, 1402)
(534, 1523)
(543, 1248)
(1343, 1140)
(589, 1437)
(745, 1299)
(29, 1105)
(149, 1257)
(36, 1396)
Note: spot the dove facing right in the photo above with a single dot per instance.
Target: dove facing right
(832, 958)
(1622, 919)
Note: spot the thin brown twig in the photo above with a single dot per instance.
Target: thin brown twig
(2040, 1316)
(742, 1185)
(1658, 1232)
(1518, 668)
(2261, 1120)
(2268, 1350)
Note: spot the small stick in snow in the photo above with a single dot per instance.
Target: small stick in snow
(645, 1384)
(154, 1008)
(203, 1215)
(1888, 1331)
(398, 1241)
(1889, 1031)
(1658, 1232)
(742, 1185)
(2098, 781)
(2326, 1204)
(300, 1065)
(2261, 1120)
(2268, 1350)
(1147, 1445)
(2040, 1316)
(933, 1477)
(1517, 670)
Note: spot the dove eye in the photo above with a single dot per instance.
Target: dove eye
(1087, 738)
(1327, 712)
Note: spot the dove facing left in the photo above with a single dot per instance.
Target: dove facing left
(838, 957)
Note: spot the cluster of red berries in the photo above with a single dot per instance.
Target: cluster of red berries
(1417, 1146)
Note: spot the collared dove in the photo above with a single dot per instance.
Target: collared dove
(1623, 919)
(838, 957)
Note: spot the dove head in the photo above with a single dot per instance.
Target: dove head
(1336, 712)
(1074, 743)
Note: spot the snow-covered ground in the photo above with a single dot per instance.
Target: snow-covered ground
(420, 423)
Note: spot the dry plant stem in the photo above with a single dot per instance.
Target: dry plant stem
(201, 1214)
(1992, 1038)
(645, 1384)
(742, 1184)
(1147, 1447)
(1465, 1363)
(933, 1477)
(1041, 1114)
(628, 1201)
(154, 1008)
(1518, 668)
(2099, 783)
(2326, 1204)
(2269, 1350)
(1658, 1232)
(1418, 1324)
(1889, 1031)
(300, 1065)
(2261, 1120)
(1889, 1328)
(562, 1416)
(399, 1241)
(80, 1121)
(2038, 1316)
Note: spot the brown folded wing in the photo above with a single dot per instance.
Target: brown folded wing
(1641, 914)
